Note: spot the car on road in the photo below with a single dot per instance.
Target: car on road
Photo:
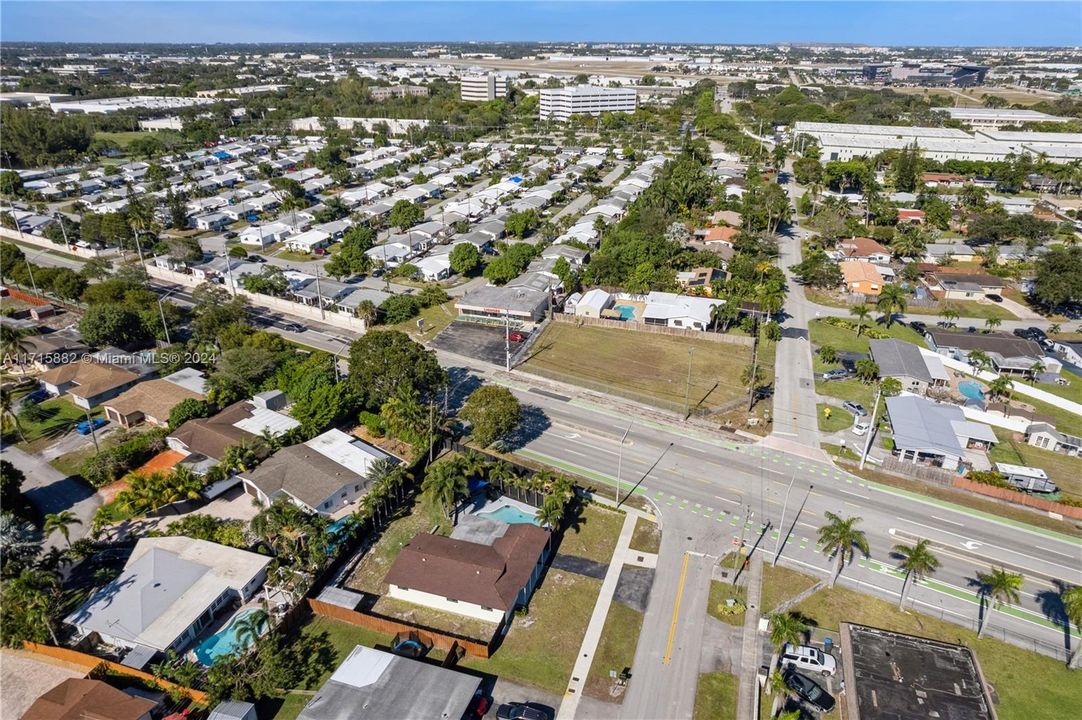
(836, 374)
(523, 711)
(919, 327)
(808, 658)
(808, 690)
(84, 427)
(860, 427)
(516, 336)
(257, 259)
(855, 408)
(995, 298)
(291, 327)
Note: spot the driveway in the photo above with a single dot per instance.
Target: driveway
(51, 492)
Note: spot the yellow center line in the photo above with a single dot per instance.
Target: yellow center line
(676, 611)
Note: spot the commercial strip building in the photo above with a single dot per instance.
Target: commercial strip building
(561, 103)
(482, 88)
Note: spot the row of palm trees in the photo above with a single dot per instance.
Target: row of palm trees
(840, 539)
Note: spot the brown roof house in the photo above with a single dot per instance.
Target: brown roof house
(485, 577)
(88, 384)
(242, 421)
(863, 248)
(79, 699)
(153, 400)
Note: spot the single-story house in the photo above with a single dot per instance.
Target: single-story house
(934, 433)
(322, 475)
(963, 286)
(88, 384)
(863, 248)
(77, 698)
(861, 277)
(212, 221)
(153, 400)
(906, 363)
(372, 684)
(702, 278)
(243, 421)
(679, 311)
(1046, 437)
(48, 350)
(263, 235)
(911, 216)
(485, 580)
(1071, 351)
(308, 241)
(170, 589)
(959, 252)
(390, 254)
(1007, 353)
(575, 256)
(434, 267)
(593, 303)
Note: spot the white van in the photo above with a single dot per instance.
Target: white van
(808, 659)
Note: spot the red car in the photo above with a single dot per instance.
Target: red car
(516, 336)
(481, 705)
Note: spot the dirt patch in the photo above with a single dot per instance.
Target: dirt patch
(580, 566)
(25, 678)
(633, 588)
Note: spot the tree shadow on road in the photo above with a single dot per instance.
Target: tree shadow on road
(533, 424)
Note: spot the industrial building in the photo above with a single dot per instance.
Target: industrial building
(482, 88)
(981, 118)
(562, 103)
(952, 75)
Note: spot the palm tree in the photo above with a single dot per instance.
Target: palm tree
(840, 540)
(997, 588)
(1072, 607)
(891, 302)
(786, 628)
(367, 312)
(949, 315)
(61, 522)
(991, 324)
(13, 344)
(1034, 370)
(916, 562)
(7, 404)
(1054, 329)
(182, 484)
(979, 360)
(1000, 388)
(250, 627)
(551, 512)
(861, 313)
(444, 484)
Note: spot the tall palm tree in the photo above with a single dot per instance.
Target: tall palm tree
(979, 360)
(1000, 388)
(861, 313)
(891, 302)
(551, 513)
(997, 588)
(14, 344)
(250, 627)
(992, 323)
(7, 406)
(840, 540)
(367, 312)
(916, 562)
(949, 314)
(444, 484)
(61, 522)
(786, 628)
(1034, 370)
(1072, 607)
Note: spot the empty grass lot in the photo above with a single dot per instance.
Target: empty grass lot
(615, 651)
(1029, 685)
(643, 366)
(124, 139)
(966, 309)
(715, 696)
(593, 536)
(647, 536)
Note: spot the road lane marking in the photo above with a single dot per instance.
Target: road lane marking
(676, 611)
(952, 522)
(847, 492)
(1056, 552)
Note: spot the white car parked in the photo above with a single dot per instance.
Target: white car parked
(808, 659)
(860, 427)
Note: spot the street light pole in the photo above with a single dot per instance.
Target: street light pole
(687, 389)
(781, 523)
(161, 311)
(507, 338)
(871, 428)
(620, 462)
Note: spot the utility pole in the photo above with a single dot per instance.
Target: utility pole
(748, 515)
(687, 388)
(93, 435)
(781, 523)
(754, 351)
(507, 338)
(871, 428)
(319, 297)
(620, 462)
(165, 326)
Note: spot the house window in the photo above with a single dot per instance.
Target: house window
(678, 323)
(452, 601)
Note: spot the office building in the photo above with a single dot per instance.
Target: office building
(562, 103)
(482, 88)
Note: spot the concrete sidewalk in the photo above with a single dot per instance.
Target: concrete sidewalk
(592, 637)
(750, 652)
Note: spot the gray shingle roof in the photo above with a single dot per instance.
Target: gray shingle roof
(896, 358)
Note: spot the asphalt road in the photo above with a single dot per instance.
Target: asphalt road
(51, 492)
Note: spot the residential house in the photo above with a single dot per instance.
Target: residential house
(863, 248)
(700, 280)
(308, 241)
(263, 235)
(861, 277)
(214, 221)
(1046, 437)
(593, 303)
(78, 698)
(434, 267)
(906, 363)
(1071, 351)
(1008, 354)
(390, 254)
(963, 286)
(679, 311)
(725, 217)
(48, 350)
(485, 577)
(373, 684)
(152, 401)
(575, 256)
(932, 433)
(322, 475)
(910, 216)
(958, 252)
(88, 384)
(206, 439)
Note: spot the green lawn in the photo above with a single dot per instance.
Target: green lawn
(616, 650)
(1065, 471)
(1029, 685)
(647, 536)
(595, 534)
(845, 340)
(780, 584)
(850, 389)
(966, 309)
(839, 419)
(715, 696)
(294, 256)
(719, 593)
(436, 319)
(646, 367)
(1071, 391)
(124, 139)
(69, 463)
(52, 419)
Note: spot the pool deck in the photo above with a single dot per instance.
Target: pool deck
(481, 507)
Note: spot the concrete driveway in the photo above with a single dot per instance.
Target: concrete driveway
(51, 492)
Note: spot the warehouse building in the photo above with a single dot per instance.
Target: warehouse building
(562, 103)
(981, 118)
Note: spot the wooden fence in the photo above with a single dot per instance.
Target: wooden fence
(387, 626)
(92, 663)
(744, 340)
(1018, 498)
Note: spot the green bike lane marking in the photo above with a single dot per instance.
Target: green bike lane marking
(584, 472)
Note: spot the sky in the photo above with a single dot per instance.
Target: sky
(946, 22)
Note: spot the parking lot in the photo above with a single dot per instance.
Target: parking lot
(480, 342)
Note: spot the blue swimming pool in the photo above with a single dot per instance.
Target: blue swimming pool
(627, 312)
(225, 641)
(971, 389)
(512, 516)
